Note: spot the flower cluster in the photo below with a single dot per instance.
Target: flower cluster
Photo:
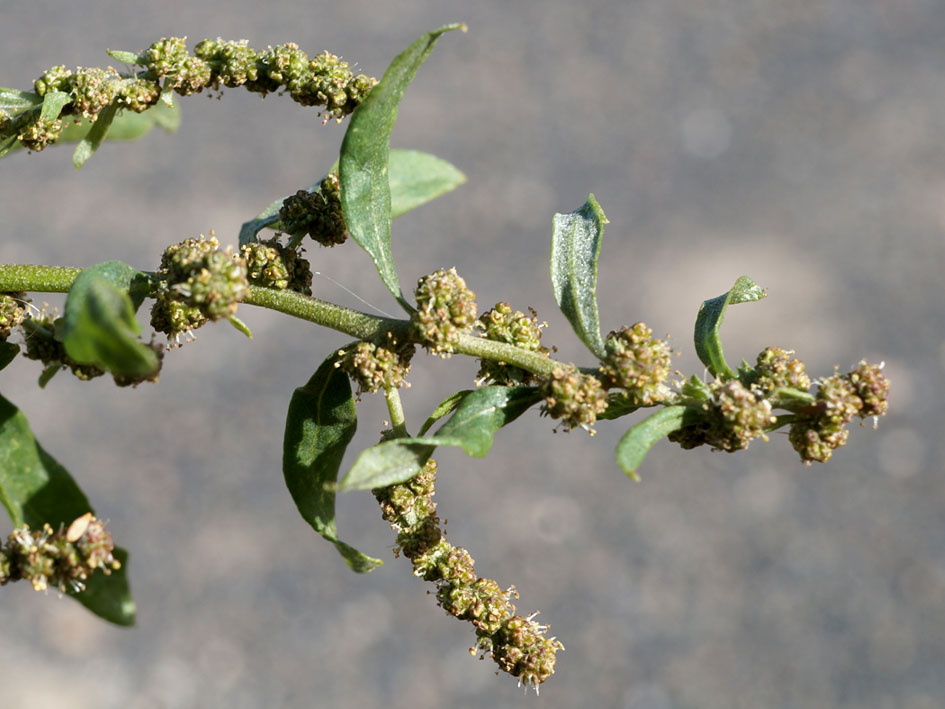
(323, 80)
(821, 428)
(272, 265)
(639, 363)
(374, 367)
(446, 309)
(573, 397)
(734, 415)
(62, 559)
(12, 313)
(518, 644)
(199, 282)
(39, 334)
(502, 324)
(776, 369)
(317, 214)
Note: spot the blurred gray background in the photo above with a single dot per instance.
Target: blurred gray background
(800, 143)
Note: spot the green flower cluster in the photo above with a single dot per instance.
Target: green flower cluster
(323, 80)
(374, 367)
(575, 398)
(39, 334)
(63, 559)
(199, 282)
(502, 324)
(317, 214)
(734, 415)
(775, 369)
(639, 363)
(272, 265)
(12, 313)
(517, 644)
(446, 309)
(821, 428)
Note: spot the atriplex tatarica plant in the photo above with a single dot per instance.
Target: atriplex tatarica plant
(58, 542)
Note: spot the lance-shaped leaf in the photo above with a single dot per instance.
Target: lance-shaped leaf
(13, 101)
(35, 490)
(127, 57)
(93, 139)
(99, 325)
(637, 442)
(444, 408)
(472, 427)
(575, 246)
(363, 163)
(52, 105)
(709, 321)
(322, 420)
(415, 179)
(127, 125)
(8, 351)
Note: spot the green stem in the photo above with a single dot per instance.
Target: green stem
(58, 279)
(397, 419)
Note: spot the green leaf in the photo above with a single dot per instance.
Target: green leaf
(709, 321)
(472, 427)
(618, 404)
(8, 351)
(386, 464)
(89, 144)
(321, 422)
(636, 442)
(363, 164)
(13, 101)
(126, 57)
(415, 179)
(444, 408)
(52, 105)
(99, 325)
(35, 490)
(575, 246)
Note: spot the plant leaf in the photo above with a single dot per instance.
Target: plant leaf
(8, 351)
(52, 105)
(472, 427)
(13, 101)
(35, 489)
(618, 404)
(444, 408)
(575, 246)
(415, 179)
(363, 163)
(636, 442)
(709, 321)
(322, 420)
(99, 325)
(89, 144)
(126, 57)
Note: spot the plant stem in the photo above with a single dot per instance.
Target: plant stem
(58, 279)
(396, 409)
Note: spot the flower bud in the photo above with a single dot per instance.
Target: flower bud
(446, 309)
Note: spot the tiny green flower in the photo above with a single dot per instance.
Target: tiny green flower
(573, 397)
(446, 309)
(639, 363)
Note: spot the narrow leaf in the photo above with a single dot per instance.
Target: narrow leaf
(8, 351)
(126, 57)
(52, 105)
(13, 101)
(444, 408)
(387, 463)
(575, 246)
(472, 427)
(99, 325)
(240, 326)
(35, 489)
(709, 321)
(637, 442)
(363, 164)
(322, 420)
(90, 143)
